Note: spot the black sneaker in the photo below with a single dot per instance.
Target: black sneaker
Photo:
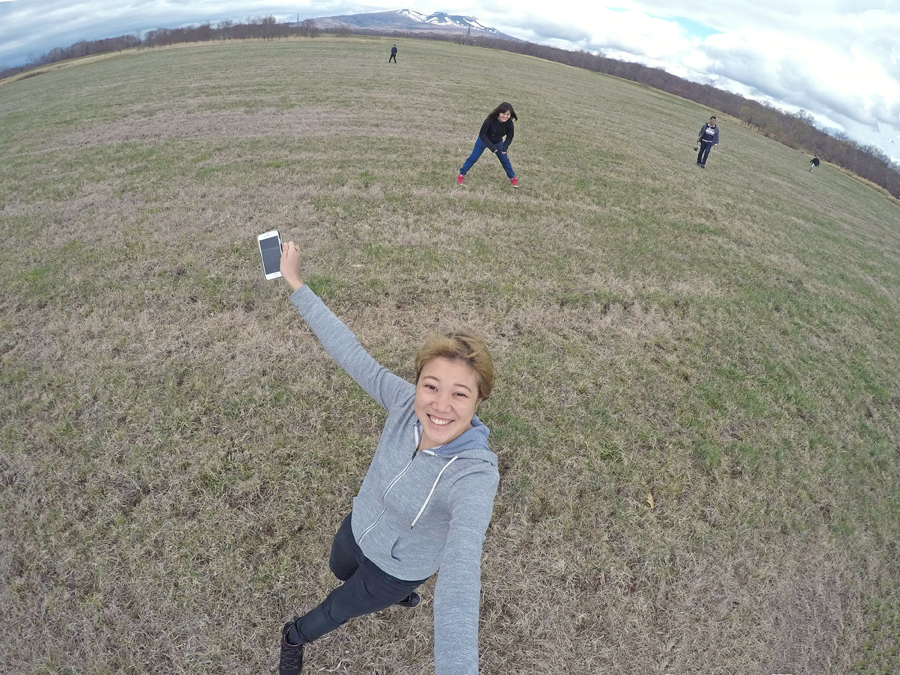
(291, 660)
(410, 600)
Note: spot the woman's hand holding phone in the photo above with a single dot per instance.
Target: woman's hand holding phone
(290, 265)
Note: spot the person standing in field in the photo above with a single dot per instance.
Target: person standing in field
(814, 162)
(393, 56)
(496, 127)
(708, 137)
(427, 498)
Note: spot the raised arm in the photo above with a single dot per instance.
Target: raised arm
(458, 591)
(339, 341)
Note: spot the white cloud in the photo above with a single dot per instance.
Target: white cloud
(836, 60)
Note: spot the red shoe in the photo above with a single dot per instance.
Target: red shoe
(514, 182)
(459, 179)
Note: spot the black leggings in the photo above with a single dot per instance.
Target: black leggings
(366, 588)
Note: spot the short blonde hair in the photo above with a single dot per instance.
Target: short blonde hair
(463, 347)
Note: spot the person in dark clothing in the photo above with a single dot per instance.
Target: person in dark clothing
(497, 125)
(814, 163)
(393, 54)
(708, 137)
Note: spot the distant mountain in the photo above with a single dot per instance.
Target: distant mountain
(448, 20)
(407, 20)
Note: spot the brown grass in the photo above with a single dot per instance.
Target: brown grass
(177, 450)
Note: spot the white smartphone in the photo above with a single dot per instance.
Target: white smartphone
(270, 252)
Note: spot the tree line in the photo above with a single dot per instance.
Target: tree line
(796, 130)
(261, 28)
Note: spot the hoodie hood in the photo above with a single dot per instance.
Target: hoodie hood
(471, 444)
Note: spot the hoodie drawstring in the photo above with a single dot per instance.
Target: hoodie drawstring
(433, 487)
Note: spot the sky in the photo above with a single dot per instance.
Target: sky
(838, 60)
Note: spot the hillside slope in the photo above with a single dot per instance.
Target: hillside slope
(696, 409)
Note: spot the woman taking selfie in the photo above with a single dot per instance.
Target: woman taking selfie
(496, 126)
(427, 497)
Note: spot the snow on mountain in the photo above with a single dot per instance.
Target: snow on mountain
(443, 19)
(414, 15)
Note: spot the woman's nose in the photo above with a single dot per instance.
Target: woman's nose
(443, 402)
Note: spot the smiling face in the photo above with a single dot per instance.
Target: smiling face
(504, 116)
(446, 398)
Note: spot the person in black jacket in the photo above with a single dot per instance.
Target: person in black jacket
(497, 125)
(393, 54)
(708, 137)
(814, 162)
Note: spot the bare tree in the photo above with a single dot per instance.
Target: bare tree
(252, 26)
(309, 29)
(268, 25)
(224, 29)
(204, 32)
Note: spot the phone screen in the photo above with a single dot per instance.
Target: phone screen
(271, 254)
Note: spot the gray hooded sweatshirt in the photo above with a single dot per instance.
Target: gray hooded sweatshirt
(418, 512)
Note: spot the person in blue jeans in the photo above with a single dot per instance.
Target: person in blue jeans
(708, 137)
(496, 127)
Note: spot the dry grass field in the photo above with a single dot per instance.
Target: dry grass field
(697, 410)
